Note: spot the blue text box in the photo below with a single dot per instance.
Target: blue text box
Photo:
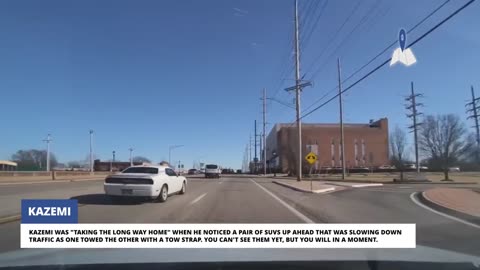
(49, 211)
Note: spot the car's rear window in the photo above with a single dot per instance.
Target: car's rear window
(149, 170)
(211, 167)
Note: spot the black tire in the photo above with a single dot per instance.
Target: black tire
(184, 188)
(163, 196)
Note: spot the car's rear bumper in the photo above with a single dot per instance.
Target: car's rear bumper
(131, 190)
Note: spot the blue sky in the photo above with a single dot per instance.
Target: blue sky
(149, 74)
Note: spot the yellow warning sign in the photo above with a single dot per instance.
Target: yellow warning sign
(311, 158)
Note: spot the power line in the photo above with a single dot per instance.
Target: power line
(336, 33)
(305, 42)
(321, 98)
(381, 53)
(312, 5)
(282, 79)
(284, 69)
(395, 42)
(347, 37)
(303, 22)
(388, 60)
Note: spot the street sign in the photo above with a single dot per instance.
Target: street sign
(311, 158)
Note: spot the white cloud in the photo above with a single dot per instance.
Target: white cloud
(240, 12)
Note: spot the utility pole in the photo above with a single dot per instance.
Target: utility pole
(245, 158)
(170, 148)
(250, 148)
(91, 150)
(298, 88)
(414, 114)
(264, 127)
(48, 140)
(113, 160)
(255, 159)
(131, 159)
(260, 146)
(342, 135)
(249, 152)
(474, 114)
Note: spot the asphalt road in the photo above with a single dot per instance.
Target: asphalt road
(246, 200)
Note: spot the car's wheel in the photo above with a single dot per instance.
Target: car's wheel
(184, 188)
(162, 197)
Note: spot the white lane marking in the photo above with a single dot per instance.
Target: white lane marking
(381, 190)
(405, 187)
(367, 185)
(198, 198)
(293, 210)
(220, 182)
(412, 197)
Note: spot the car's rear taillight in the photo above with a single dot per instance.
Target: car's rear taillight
(129, 181)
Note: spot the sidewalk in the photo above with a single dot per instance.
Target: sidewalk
(466, 201)
(306, 186)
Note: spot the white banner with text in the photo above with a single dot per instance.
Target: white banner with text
(218, 236)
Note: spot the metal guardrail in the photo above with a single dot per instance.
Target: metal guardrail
(52, 174)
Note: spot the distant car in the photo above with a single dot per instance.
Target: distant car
(363, 169)
(155, 182)
(239, 171)
(386, 167)
(192, 171)
(423, 168)
(454, 169)
(212, 171)
(228, 171)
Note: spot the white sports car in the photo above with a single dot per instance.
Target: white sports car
(156, 182)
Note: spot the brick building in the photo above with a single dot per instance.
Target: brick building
(366, 145)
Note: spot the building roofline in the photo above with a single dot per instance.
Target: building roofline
(288, 125)
(7, 162)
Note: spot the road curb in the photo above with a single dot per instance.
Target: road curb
(425, 200)
(386, 182)
(8, 219)
(317, 191)
(49, 181)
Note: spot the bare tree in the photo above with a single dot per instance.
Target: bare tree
(75, 164)
(471, 158)
(33, 160)
(472, 153)
(441, 139)
(398, 143)
(141, 159)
